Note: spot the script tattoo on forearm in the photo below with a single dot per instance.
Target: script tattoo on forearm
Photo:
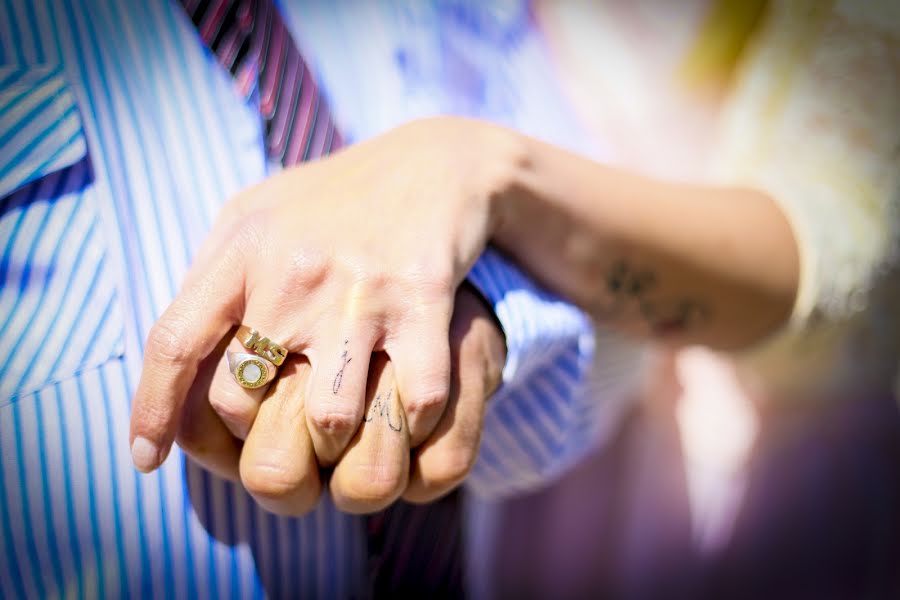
(623, 284)
(381, 407)
(339, 377)
(626, 286)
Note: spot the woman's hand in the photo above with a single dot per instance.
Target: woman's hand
(355, 254)
(277, 463)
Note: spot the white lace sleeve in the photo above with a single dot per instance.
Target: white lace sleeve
(815, 121)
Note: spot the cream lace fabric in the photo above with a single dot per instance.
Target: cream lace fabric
(812, 116)
(815, 120)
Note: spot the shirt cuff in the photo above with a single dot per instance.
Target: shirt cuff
(540, 422)
(536, 324)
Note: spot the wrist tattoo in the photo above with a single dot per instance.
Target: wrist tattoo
(382, 408)
(626, 286)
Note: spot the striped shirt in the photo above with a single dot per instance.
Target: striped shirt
(120, 137)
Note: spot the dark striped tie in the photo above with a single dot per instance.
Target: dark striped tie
(413, 549)
(416, 550)
(251, 40)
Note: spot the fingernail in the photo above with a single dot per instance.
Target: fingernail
(144, 454)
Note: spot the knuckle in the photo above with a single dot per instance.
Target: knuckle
(232, 407)
(452, 466)
(369, 286)
(305, 270)
(431, 275)
(374, 483)
(428, 298)
(374, 280)
(275, 478)
(167, 342)
(427, 401)
(333, 420)
(245, 230)
(425, 282)
(441, 281)
(438, 288)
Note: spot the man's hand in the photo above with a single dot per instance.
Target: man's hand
(371, 473)
(277, 463)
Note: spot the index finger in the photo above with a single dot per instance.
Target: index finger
(187, 332)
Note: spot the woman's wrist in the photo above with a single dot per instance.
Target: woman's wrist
(674, 262)
(505, 158)
(487, 162)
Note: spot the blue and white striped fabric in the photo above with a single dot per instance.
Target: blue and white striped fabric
(58, 297)
(40, 131)
(121, 138)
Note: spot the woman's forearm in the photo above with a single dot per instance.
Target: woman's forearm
(679, 263)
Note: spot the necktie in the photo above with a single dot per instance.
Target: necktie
(416, 550)
(413, 549)
(250, 39)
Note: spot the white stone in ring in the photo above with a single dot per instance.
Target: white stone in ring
(252, 372)
(249, 370)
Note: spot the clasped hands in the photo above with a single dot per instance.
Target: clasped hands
(354, 264)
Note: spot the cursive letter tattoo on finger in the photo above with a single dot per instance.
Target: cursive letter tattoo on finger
(382, 408)
(339, 377)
